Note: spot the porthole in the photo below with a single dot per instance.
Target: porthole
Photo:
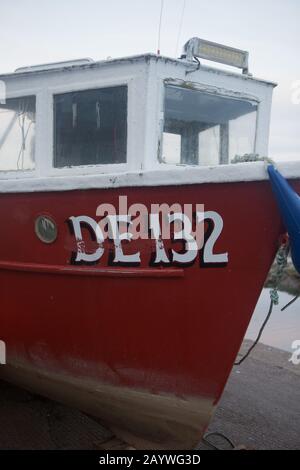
(46, 229)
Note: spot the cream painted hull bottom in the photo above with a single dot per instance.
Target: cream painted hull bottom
(142, 419)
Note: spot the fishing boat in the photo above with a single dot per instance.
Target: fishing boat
(101, 308)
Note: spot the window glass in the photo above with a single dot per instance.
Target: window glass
(209, 145)
(172, 147)
(17, 134)
(206, 129)
(90, 127)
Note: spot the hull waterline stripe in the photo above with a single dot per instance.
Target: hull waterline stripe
(92, 271)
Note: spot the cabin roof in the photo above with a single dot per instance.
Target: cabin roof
(82, 64)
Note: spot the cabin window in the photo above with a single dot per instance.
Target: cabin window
(206, 129)
(17, 134)
(90, 127)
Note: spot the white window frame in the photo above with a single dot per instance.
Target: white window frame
(37, 93)
(47, 163)
(204, 88)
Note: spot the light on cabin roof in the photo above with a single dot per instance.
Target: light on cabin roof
(203, 49)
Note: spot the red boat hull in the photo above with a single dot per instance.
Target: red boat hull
(147, 349)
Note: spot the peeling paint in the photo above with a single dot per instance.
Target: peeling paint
(160, 421)
(211, 89)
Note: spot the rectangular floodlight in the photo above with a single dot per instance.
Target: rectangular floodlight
(197, 47)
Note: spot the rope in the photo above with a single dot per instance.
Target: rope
(258, 336)
(219, 434)
(290, 303)
(281, 261)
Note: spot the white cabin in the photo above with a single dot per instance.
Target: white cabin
(142, 120)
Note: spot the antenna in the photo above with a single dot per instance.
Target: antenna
(180, 26)
(159, 26)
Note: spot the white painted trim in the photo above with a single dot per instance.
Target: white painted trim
(17, 174)
(137, 59)
(167, 175)
(22, 92)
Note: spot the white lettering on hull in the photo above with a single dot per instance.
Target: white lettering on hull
(163, 228)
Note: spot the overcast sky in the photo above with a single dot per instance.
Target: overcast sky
(38, 31)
